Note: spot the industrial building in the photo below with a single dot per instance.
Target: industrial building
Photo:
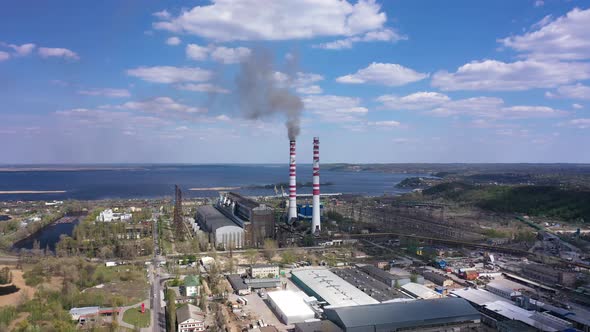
(420, 291)
(222, 231)
(257, 220)
(549, 275)
(449, 314)
(317, 326)
(330, 288)
(506, 288)
(264, 271)
(437, 278)
(291, 306)
(237, 283)
(385, 277)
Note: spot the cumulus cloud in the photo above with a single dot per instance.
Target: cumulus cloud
(106, 92)
(385, 124)
(21, 50)
(389, 74)
(163, 14)
(162, 106)
(539, 3)
(415, 101)
(577, 91)
(222, 117)
(438, 104)
(303, 83)
(202, 87)
(335, 108)
(496, 75)
(46, 52)
(227, 20)
(170, 74)
(4, 56)
(385, 35)
(564, 38)
(173, 41)
(577, 106)
(310, 90)
(583, 123)
(220, 54)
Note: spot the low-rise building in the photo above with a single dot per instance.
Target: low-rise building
(420, 291)
(505, 288)
(438, 279)
(190, 318)
(317, 325)
(549, 275)
(237, 283)
(290, 306)
(191, 286)
(264, 271)
(108, 216)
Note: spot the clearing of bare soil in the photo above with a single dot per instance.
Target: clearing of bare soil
(24, 290)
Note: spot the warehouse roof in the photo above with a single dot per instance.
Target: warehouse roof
(420, 291)
(375, 271)
(247, 202)
(213, 218)
(236, 281)
(404, 314)
(291, 303)
(329, 287)
(477, 296)
(317, 325)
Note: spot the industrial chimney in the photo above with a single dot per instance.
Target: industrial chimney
(292, 183)
(315, 219)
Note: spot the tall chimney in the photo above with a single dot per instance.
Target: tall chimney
(292, 183)
(315, 219)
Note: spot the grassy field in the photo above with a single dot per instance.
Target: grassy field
(134, 316)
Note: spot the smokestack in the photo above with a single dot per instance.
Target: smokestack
(315, 219)
(292, 183)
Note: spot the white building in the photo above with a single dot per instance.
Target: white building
(264, 271)
(290, 306)
(190, 318)
(420, 291)
(108, 216)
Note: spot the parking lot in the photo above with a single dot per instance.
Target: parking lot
(371, 286)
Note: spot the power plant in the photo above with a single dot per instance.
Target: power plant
(315, 219)
(292, 183)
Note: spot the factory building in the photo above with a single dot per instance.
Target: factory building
(449, 314)
(549, 275)
(438, 279)
(385, 277)
(420, 291)
(506, 288)
(222, 231)
(291, 307)
(326, 286)
(264, 271)
(257, 220)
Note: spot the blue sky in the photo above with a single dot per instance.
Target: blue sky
(378, 81)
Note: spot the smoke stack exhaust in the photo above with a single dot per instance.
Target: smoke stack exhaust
(292, 183)
(315, 219)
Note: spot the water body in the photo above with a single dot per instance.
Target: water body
(159, 181)
(48, 237)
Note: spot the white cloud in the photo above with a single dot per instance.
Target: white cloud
(4, 56)
(202, 87)
(230, 55)
(222, 117)
(227, 20)
(169, 74)
(173, 41)
(163, 15)
(438, 104)
(385, 35)
(385, 124)
(220, 54)
(520, 75)
(106, 92)
(46, 52)
(564, 38)
(583, 123)
(196, 52)
(577, 91)
(389, 74)
(577, 106)
(539, 3)
(310, 90)
(335, 108)
(415, 101)
(22, 50)
(162, 106)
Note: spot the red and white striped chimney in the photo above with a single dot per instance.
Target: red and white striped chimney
(292, 183)
(315, 218)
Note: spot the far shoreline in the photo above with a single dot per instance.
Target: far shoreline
(21, 192)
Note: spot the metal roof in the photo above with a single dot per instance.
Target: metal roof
(192, 280)
(247, 202)
(188, 311)
(395, 315)
(477, 296)
(213, 218)
(291, 303)
(375, 271)
(331, 288)
(237, 282)
(420, 291)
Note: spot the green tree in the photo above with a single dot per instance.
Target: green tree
(251, 255)
(171, 309)
(270, 248)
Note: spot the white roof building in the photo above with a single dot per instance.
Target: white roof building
(290, 306)
(326, 286)
(420, 291)
(108, 215)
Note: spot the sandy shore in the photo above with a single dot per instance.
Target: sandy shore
(214, 188)
(18, 192)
